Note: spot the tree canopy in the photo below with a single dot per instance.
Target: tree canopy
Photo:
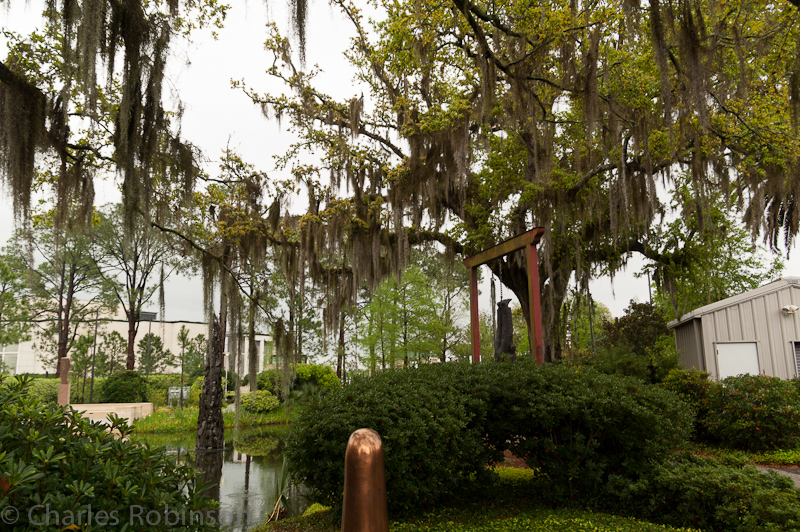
(478, 120)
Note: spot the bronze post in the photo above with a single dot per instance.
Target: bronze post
(364, 508)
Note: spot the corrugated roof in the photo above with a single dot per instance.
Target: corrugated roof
(735, 300)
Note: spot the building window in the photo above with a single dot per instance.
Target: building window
(8, 356)
(797, 358)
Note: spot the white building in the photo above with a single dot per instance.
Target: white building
(23, 357)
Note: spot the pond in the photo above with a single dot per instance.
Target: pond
(251, 469)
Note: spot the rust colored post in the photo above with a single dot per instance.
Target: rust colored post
(473, 306)
(535, 314)
(365, 508)
(63, 386)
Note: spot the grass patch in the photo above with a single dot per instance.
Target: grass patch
(491, 517)
(778, 457)
(502, 511)
(166, 420)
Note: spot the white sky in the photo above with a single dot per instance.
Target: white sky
(217, 116)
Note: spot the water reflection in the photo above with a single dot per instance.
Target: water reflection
(244, 476)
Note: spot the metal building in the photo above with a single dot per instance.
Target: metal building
(757, 332)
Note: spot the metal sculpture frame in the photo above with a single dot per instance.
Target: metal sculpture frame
(528, 241)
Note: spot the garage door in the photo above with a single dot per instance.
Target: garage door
(737, 359)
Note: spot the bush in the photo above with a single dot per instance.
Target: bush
(158, 388)
(86, 465)
(197, 389)
(126, 387)
(702, 492)
(318, 375)
(581, 427)
(442, 423)
(260, 402)
(693, 387)
(753, 413)
(43, 390)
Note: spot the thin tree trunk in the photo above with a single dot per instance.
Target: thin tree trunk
(252, 352)
(210, 425)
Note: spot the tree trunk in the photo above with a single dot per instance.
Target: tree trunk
(252, 352)
(210, 426)
(133, 320)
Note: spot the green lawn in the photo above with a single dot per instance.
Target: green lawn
(185, 419)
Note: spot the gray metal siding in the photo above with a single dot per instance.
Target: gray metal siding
(760, 320)
(689, 345)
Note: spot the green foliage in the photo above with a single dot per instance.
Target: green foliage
(637, 344)
(442, 423)
(43, 390)
(693, 387)
(126, 387)
(702, 492)
(413, 319)
(259, 402)
(158, 388)
(153, 358)
(13, 302)
(753, 412)
(165, 420)
(719, 257)
(55, 459)
(266, 381)
(318, 374)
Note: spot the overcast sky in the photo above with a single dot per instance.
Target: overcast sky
(217, 116)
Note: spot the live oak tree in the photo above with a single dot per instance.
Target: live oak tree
(496, 117)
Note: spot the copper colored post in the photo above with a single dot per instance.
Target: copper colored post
(365, 508)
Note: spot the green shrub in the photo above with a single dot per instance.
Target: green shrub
(442, 423)
(260, 402)
(158, 388)
(693, 387)
(702, 492)
(44, 390)
(320, 375)
(266, 381)
(753, 413)
(581, 427)
(57, 462)
(126, 387)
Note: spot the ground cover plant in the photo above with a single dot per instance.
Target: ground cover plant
(442, 424)
(51, 457)
(506, 510)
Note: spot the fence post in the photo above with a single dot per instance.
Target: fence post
(365, 508)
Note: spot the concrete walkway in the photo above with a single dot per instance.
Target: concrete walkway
(793, 474)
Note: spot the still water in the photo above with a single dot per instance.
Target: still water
(251, 468)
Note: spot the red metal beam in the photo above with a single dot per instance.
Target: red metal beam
(528, 241)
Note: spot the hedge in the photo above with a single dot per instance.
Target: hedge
(443, 423)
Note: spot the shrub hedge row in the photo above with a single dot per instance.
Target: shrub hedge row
(441, 424)
(748, 412)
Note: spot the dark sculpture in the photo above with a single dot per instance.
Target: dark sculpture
(505, 333)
